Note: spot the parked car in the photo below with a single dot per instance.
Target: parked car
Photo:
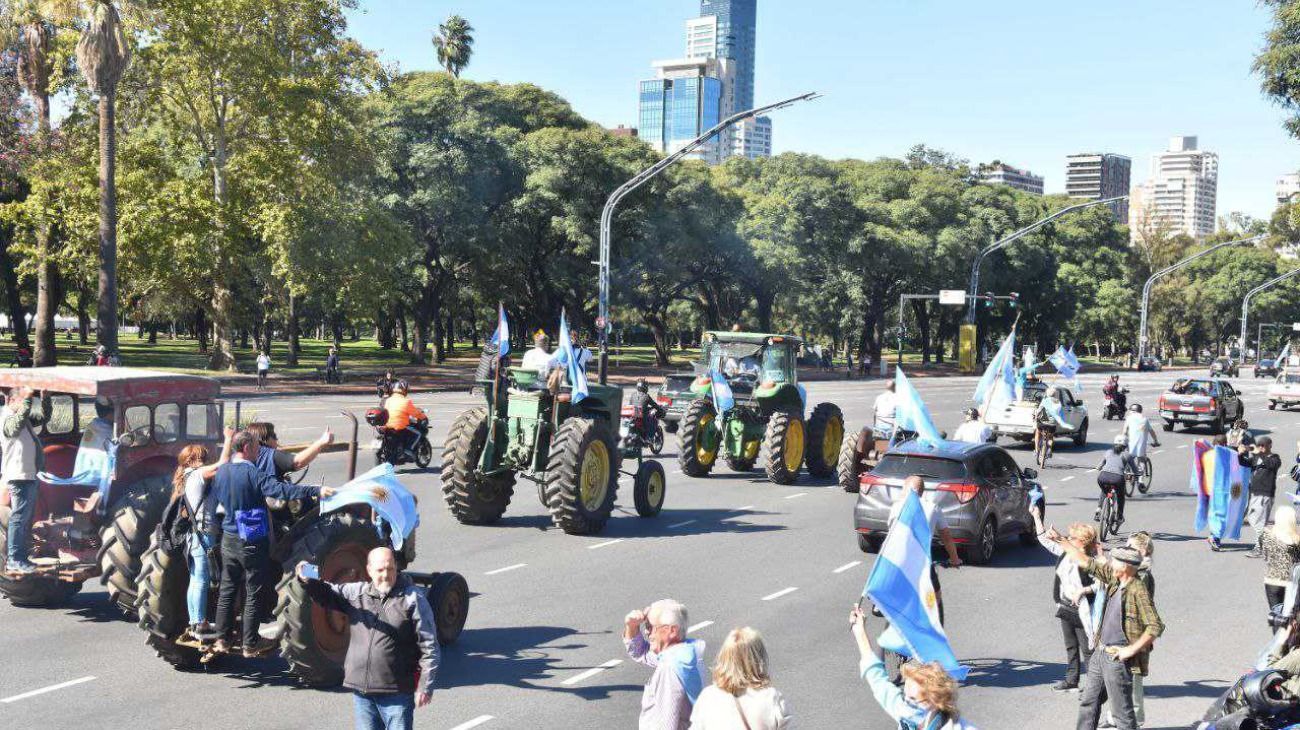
(675, 396)
(1224, 367)
(1150, 364)
(983, 494)
(1266, 367)
(1285, 391)
(1016, 419)
(1209, 402)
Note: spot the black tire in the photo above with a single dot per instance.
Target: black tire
(848, 469)
(825, 436)
(1130, 484)
(1167, 426)
(1272, 405)
(1080, 437)
(314, 641)
(1144, 479)
(580, 489)
(449, 599)
(471, 498)
(670, 426)
(161, 607)
(695, 459)
(30, 591)
(1104, 530)
(423, 453)
(868, 544)
(657, 440)
(981, 551)
(785, 435)
(125, 537)
(649, 488)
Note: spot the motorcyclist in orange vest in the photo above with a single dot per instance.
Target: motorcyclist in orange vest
(400, 413)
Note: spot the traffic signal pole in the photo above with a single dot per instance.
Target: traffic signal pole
(1245, 308)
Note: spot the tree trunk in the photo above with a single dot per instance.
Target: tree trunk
(83, 318)
(401, 328)
(450, 333)
(660, 332)
(201, 329)
(107, 312)
(13, 295)
(923, 327)
(47, 303)
(222, 356)
(291, 358)
(764, 301)
(153, 333)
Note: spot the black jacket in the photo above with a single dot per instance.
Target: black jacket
(1263, 480)
(389, 637)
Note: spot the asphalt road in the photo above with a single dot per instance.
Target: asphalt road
(542, 650)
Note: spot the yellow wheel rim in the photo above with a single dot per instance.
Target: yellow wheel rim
(831, 441)
(654, 490)
(751, 449)
(702, 453)
(793, 451)
(593, 477)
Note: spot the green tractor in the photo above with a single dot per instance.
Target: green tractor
(534, 430)
(767, 418)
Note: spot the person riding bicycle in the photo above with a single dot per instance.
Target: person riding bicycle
(401, 411)
(1137, 428)
(1048, 417)
(1115, 464)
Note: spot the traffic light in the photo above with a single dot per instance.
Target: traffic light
(988, 300)
(1015, 299)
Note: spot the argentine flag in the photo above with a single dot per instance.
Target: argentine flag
(900, 587)
(1065, 364)
(565, 356)
(997, 387)
(501, 338)
(723, 399)
(1280, 362)
(380, 489)
(910, 413)
(1074, 361)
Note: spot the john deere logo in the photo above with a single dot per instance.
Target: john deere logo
(1236, 490)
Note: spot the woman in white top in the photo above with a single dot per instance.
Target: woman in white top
(263, 367)
(190, 482)
(742, 696)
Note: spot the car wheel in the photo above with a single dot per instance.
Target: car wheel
(981, 551)
(1081, 436)
(868, 544)
(1167, 425)
(1272, 405)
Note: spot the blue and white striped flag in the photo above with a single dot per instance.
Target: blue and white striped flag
(910, 413)
(566, 357)
(501, 338)
(380, 489)
(899, 585)
(723, 399)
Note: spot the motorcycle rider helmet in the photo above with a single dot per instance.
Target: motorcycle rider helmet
(1120, 440)
(642, 386)
(972, 413)
(400, 387)
(1264, 694)
(1136, 408)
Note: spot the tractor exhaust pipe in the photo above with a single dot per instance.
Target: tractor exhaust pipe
(352, 446)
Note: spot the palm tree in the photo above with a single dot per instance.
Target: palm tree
(103, 54)
(454, 44)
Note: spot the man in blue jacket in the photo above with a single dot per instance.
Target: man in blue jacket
(241, 490)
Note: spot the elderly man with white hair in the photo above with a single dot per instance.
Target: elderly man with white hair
(656, 637)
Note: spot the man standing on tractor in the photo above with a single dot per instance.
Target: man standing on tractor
(884, 409)
(279, 464)
(400, 413)
(392, 641)
(241, 489)
(21, 459)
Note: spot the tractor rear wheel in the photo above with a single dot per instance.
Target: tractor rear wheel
(848, 469)
(698, 439)
(161, 605)
(31, 590)
(314, 640)
(125, 537)
(825, 436)
(784, 447)
(582, 476)
(473, 499)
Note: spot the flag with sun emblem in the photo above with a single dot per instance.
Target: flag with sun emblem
(393, 504)
(900, 586)
(1221, 484)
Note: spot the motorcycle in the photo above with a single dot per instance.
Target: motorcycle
(390, 446)
(1115, 405)
(647, 431)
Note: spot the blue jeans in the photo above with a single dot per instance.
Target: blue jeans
(384, 711)
(22, 499)
(196, 596)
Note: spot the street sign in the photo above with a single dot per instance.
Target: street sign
(952, 296)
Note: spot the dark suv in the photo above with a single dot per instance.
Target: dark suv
(983, 494)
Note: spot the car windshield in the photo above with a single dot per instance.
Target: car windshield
(900, 466)
(776, 363)
(1191, 387)
(733, 358)
(1289, 378)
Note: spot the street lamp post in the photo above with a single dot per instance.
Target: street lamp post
(1146, 288)
(641, 178)
(1008, 240)
(1245, 307)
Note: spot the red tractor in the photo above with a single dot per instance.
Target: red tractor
(81, 531)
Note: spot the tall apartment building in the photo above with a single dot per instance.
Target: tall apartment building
(1180, 197)
(682, 102)
(1097, 176)
(998, 173)
(1288, 186)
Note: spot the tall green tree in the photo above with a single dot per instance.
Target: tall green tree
(454, 43)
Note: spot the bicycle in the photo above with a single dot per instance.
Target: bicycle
(1044, 444)
(1142, 479)
(1108, 524)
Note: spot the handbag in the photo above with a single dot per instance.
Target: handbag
(741, 711)
(253, 524)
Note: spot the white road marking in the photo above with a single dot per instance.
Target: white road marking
(846, 566)
(683, 523)
(792, 496)
(506, 569)
(473, 723)
(591, 672)
(742, 509)
(1066, 479)
(697, 627)
(1092, 470)
(1182, 446)
(604, 544)
(43, 690)
(778, 594)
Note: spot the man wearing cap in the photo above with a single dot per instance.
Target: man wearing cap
(1126, 625)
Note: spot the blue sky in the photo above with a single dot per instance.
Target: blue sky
(1023, 81)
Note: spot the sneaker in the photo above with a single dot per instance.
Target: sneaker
(1106, 723)
(1254, 553)
(259, 648)
(1213, 545)
(1096, 516)
(1064, 686)
(20, 567)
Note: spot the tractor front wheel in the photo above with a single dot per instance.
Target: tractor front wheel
(582, 476)
(449, 599)
(125, 537)
(161, 605)
(784, 447)
(649, 487)
(825, 437)
(698, 439)
(472, 498)
(31, 590)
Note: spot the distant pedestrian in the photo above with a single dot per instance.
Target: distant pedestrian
(1072, 591)
(332, 374)
(263, 369)
(1281, 549)
(22, 457)
(392, 656)
(191, 481)
(928, 699)
(656, 637)
(973, 430)
(1264, 465)
(848, 359)
(742, 696)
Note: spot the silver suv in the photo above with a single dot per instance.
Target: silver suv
(983, 494)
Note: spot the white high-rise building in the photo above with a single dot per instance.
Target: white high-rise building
(1180, 196)
(1288, 186)
(731, 42)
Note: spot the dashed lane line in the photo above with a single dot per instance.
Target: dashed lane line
(506, 569)
(683, 523)
(778, 594)
(744, 509)
(607, 543)
(697, 627)
(43, 690)
(1181, 446)
(1066, 479)
(794, 496)
(846, 566)
(473, 723)
(591, 672)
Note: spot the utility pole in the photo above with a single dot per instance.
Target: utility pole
(1245, 307)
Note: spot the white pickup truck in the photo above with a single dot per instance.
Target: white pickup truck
(1017, 419)
(1285, 391)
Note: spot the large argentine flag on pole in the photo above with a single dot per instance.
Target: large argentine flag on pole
(900, 587)
(566, 357)
(983, 389)
(910, 413)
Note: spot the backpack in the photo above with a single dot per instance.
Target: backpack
(173, 531)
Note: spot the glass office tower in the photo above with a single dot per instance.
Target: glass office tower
(737, 24)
